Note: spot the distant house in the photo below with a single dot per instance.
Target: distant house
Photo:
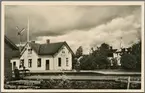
(113, 54)
(116, 53)
(10, 51)
(49, 56)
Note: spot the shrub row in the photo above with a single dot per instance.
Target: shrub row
(67, 84)
(58, 84)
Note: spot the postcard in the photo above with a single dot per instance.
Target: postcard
(72, 46)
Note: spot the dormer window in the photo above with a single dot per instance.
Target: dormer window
(63, 51)
(29, 51)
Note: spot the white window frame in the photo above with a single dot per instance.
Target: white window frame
(67, 62)
(29, 51)
(30, 63)
(59, 62)
(39, 60)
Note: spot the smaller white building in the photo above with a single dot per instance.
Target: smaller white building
(41, 57)
(115, 53)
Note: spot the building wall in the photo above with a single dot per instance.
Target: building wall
(7, 64)
(26, 56)
(43, 62)
(8, 53)
(17, 63)
(118, 57)
(63, 54)
(53, 60)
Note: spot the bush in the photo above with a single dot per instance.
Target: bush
(67, 84)
(115, 64)
(135, 86)
(128, 61)
(136, 50)
(93, 62)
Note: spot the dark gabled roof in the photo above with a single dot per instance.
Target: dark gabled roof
(10, 43)
(16, 54)
(15, 51)
(48, 49)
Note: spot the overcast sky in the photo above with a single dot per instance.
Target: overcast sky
(86, 26)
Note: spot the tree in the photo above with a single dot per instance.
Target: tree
(136, 51)
(74, 61)
(101, 56)
(102, 61)
(79, 52)
(131, 59)
(98, 59)
(114, 62)
(128, 61)
(104, 49)
(86, 63)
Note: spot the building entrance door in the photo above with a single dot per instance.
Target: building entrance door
(47, 64)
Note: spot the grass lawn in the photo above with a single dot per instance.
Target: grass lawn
(103, 72)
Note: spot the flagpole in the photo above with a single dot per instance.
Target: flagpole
(121, 42)
(28, 30)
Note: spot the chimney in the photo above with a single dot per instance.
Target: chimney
(48, 41)
(111, 48)
(33, 41)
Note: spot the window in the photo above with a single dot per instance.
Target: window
(66, 61)
(29, 51)
(39, 62)
(29, 63)
(110, 54)
(14, 65)
(21, 63)
(63, 51)
(59, 62)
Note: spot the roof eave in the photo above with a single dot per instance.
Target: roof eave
(11, 43)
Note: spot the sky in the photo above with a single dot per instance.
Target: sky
(79, 25)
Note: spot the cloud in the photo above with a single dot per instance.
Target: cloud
(111, 32)
(51, 20)
(85, 26)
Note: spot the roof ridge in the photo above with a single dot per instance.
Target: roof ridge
(48, 49)
(52, 43)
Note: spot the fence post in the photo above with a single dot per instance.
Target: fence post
(128, 82)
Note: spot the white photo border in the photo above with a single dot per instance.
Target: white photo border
(3, 3)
